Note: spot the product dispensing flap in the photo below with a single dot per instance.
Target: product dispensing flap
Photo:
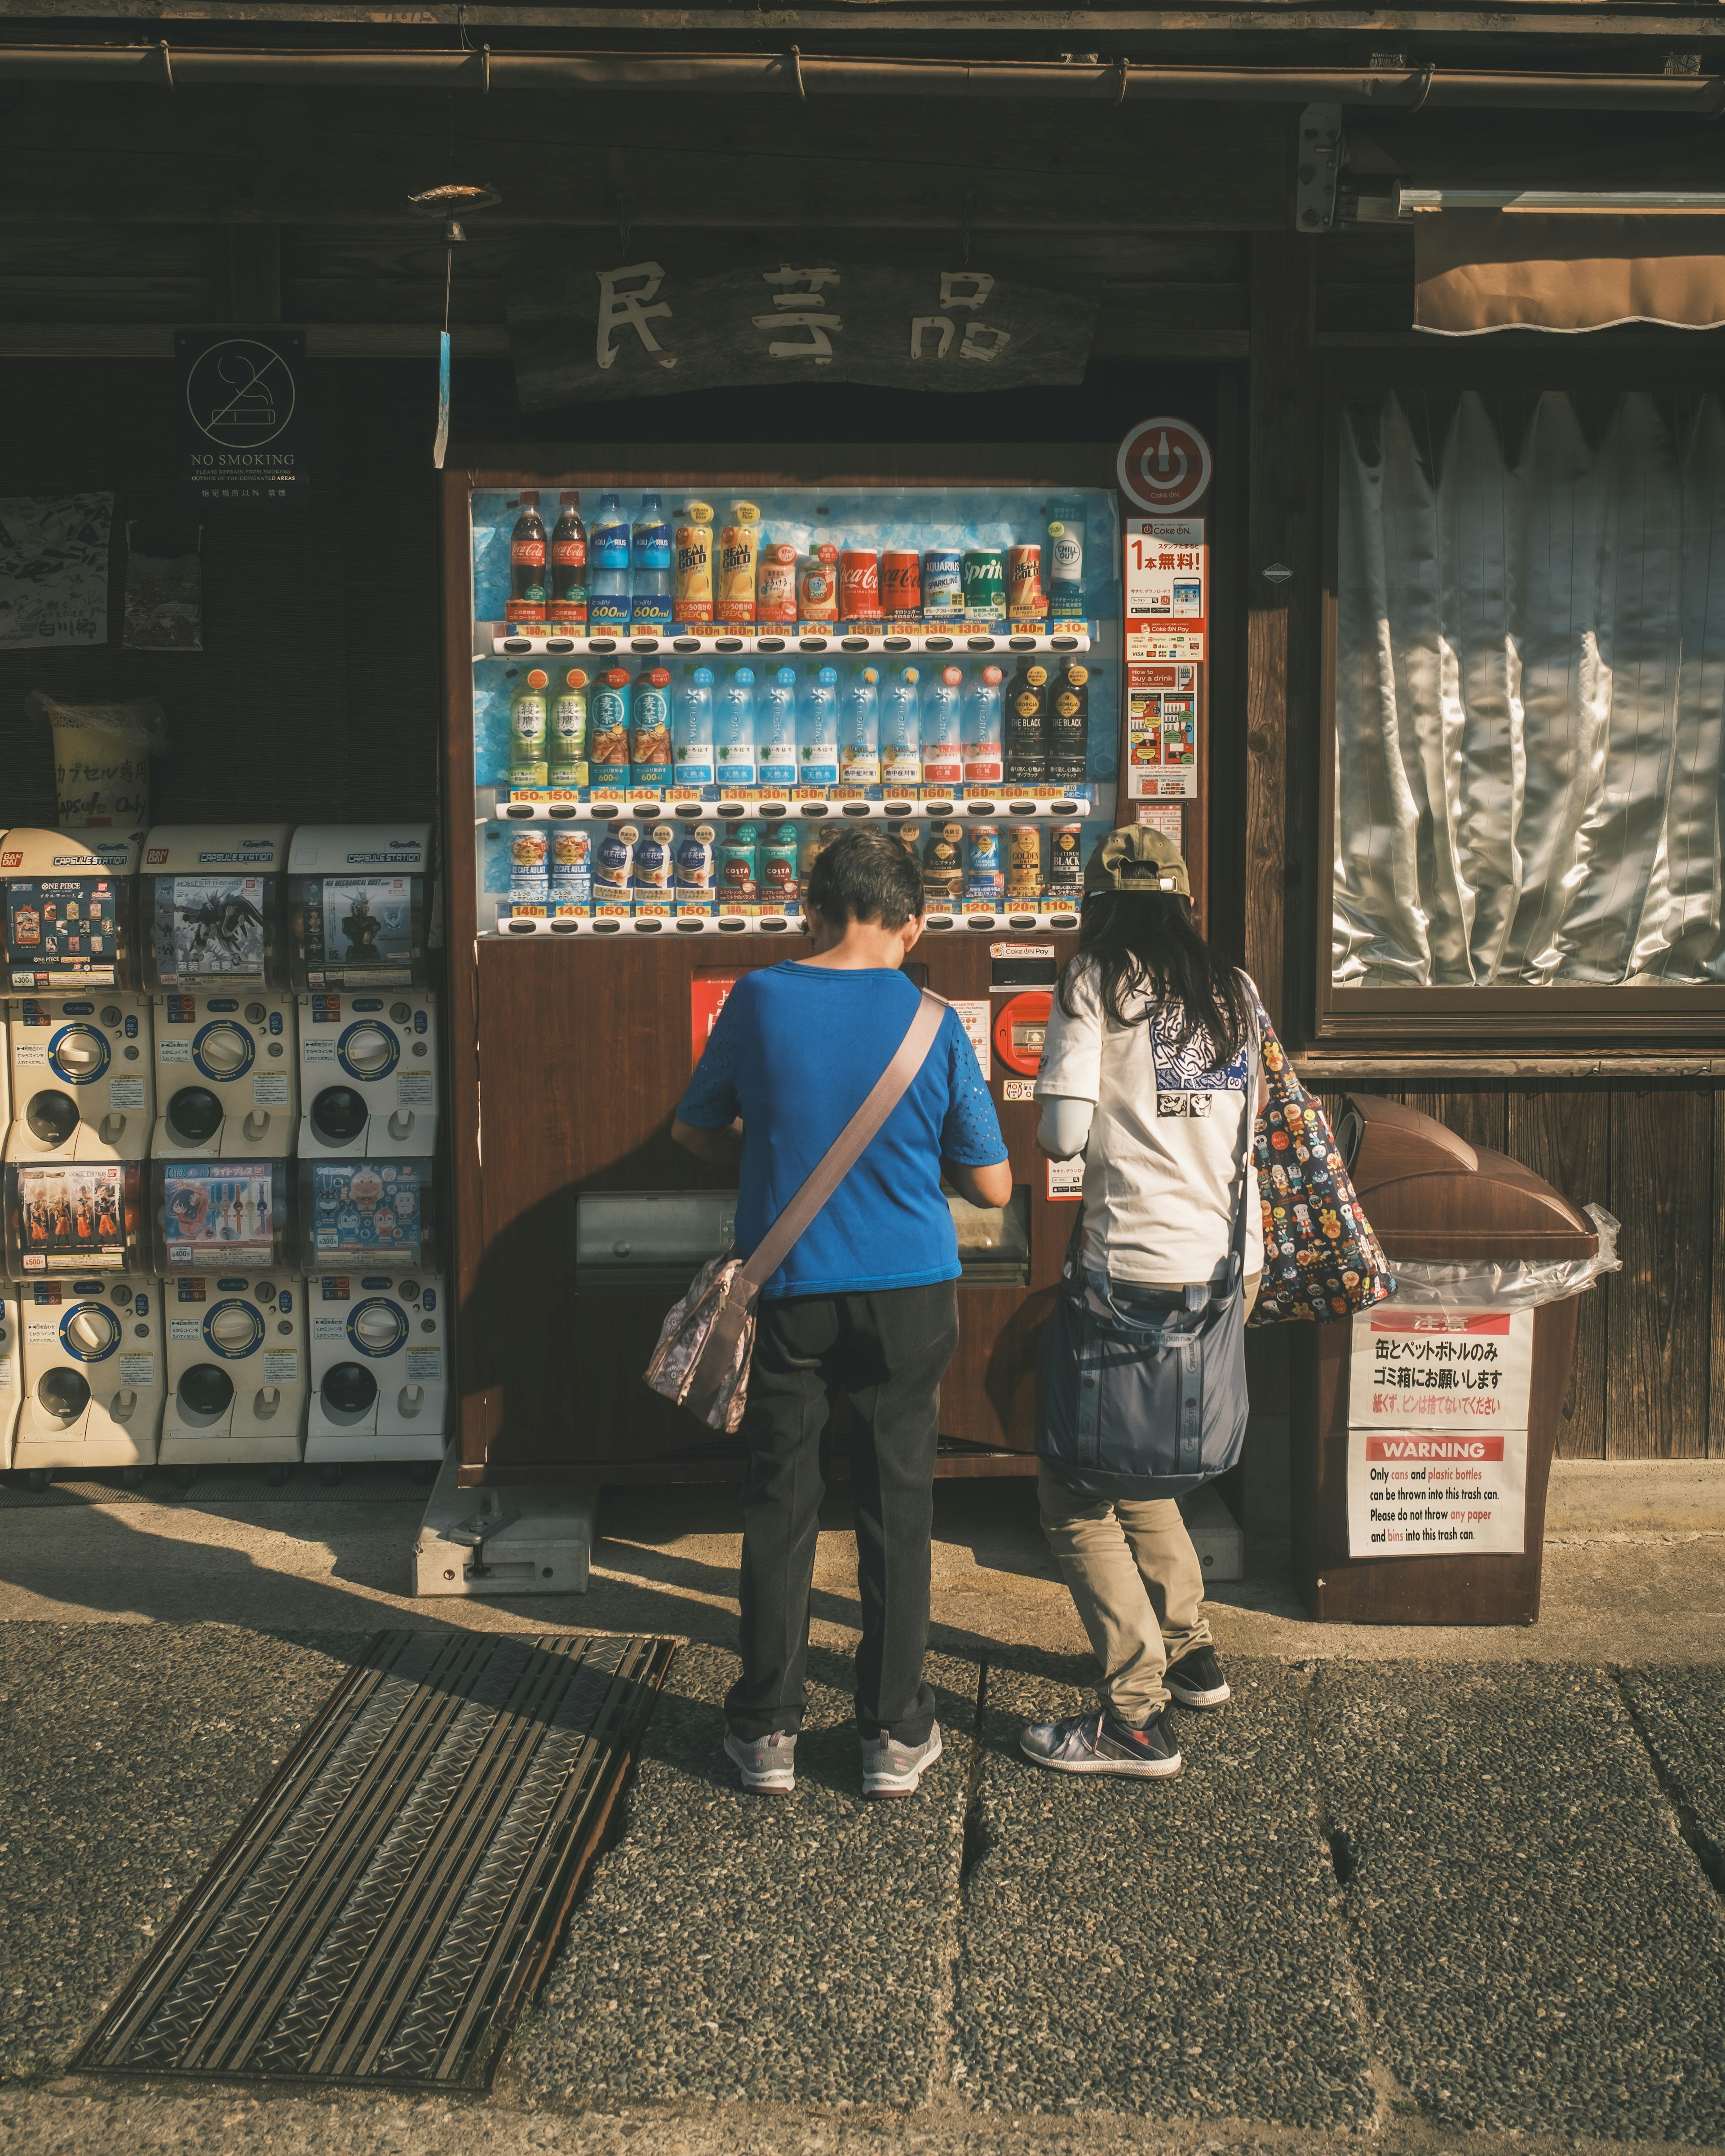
(210, 905)
(379, 1215)
(358, 907)
(85, 1217)
(224, 1216)
(70, 897)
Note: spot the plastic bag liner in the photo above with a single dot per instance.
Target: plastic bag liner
(1511, 1284)
(101, 759)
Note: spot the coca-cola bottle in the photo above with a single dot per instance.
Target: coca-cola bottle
(567, 602)
(527, 564)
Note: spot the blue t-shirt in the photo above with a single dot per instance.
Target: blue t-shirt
(796, 1051)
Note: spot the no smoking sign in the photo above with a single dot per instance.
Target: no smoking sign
(1164, 466)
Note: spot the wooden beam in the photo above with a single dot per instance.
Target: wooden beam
(1281, 533)
(323, 340)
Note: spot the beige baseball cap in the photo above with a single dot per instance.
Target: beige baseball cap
(1136, 858)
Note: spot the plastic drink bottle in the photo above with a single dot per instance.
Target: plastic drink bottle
(739, 872)
(567, 603)
(1027, 725)
(527, 563)
(777, 858)
(653, 864)
(608, 596)
(693, 730)
(568, 728)
(649, 729)
(860, 730)
(692, 591)
(1068, 725)
(608, 732)
(737, 542)
(734, 733)
(900, 756)
(982, 730)
(613, 873)
(776, 730)
(529, 714)
(818, 729)
(650, 593)
(697, 868)
(942, 702)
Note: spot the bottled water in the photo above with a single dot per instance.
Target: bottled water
(942, 758)
(608, 593)
(692, 730)
(860, 730)
(983, 755)
(818, 728)
(776, 730)
(650, 596)
(900, 761)
(734, 731)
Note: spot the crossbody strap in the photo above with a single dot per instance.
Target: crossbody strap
(824, 1178)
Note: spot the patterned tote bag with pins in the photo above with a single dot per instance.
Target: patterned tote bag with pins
(1321, 1261)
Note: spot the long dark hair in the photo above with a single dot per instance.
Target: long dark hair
(1143, 943)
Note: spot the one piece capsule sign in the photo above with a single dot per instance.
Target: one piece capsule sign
(240, 415)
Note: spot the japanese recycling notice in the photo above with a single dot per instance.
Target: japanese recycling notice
(1437, 1442)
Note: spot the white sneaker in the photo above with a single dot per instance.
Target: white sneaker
(767, 1764)
(892, 1770)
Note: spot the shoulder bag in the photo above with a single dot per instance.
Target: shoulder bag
(702, 1358)
(1141, 1392)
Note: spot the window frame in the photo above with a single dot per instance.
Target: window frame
(1424, 1020)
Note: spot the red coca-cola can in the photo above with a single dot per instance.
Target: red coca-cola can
(859, 586)
(901, 582)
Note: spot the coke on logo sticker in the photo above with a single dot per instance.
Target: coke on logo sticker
(859, 586)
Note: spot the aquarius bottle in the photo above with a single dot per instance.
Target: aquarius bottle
(776, 730)
(860, 730)
(692, 729)
(942, 705)
(982, 730)
(818, 729)
(900, 756)
(734, 733)
(651, 550)
(607, 594)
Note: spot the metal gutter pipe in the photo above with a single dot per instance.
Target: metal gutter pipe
(803, 75)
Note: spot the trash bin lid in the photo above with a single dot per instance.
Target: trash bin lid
(1428, 1194)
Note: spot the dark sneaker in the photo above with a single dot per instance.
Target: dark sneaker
(767, 1763)
(892, 1770)
(1098, 1744)
(1196, 1679)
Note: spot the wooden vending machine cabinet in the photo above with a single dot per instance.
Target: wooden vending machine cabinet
(575, 1026)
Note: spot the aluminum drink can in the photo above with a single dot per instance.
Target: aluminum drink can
(859, 585)
(986, 879)
(1023, 865)
(818, 586)
(943, 584)
(1066, 864)
(776, 583)
(902, 581)
(984, 584)
(570, 852)
(943, 867)
(1025, 598)
(527, 850)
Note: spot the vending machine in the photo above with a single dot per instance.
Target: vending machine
(725, 667)
(77, 1246)
(358, 912)
(11, 1369)
(227, 1251)
(82, 1079)
(212, 926)
(379, 1315)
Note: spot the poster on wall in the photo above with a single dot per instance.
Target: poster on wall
(1167, 570)
(1417, 1493)
(240, 415)
(53, 569)
(595, 329)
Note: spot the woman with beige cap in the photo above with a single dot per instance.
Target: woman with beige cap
(1150, 1066)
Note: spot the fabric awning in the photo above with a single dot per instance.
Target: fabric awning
(1477, 270)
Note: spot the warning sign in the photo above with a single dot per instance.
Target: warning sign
(1411, 1493)
(1440, 1370)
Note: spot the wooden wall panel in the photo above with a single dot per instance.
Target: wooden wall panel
(1659, 1325)
(1564, 1134)
(1473, 1112)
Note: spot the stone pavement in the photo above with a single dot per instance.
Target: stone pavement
(1415, 1891)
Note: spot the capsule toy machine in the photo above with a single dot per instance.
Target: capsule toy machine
(82, 1078)
(215, 963)
(227, 1253)
(78, 1247)
(378, 1313)
(358, 899)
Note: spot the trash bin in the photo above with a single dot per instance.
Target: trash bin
(1423, 1430)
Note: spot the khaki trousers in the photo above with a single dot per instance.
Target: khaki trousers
(1136, 1580)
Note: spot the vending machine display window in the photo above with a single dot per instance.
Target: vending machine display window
(69, 909)
(222, 1216)
(83, 1218)
(211, 906)
(357, 905)
(367, 1213)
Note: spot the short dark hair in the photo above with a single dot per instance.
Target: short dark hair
(866, 876)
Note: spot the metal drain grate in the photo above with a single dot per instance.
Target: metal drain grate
(400, 1887)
